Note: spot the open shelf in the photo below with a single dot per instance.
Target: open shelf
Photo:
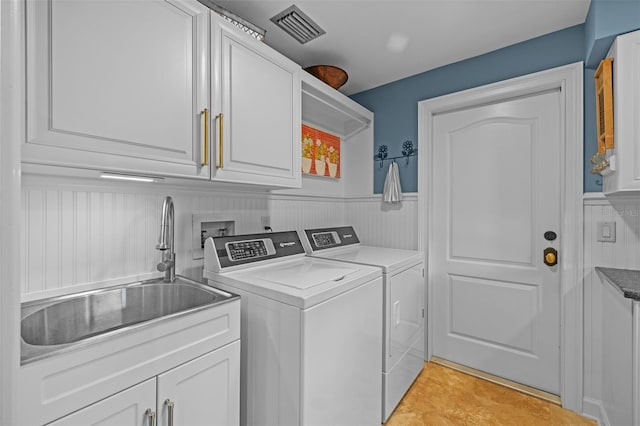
(330, 110)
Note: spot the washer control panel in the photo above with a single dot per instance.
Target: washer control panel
(319, 239)
(249, 249)
(234, 250)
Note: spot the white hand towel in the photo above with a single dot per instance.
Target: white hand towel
(392, 190)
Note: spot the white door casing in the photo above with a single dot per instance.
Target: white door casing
(568, 80)
(496, 304)
(12, 109)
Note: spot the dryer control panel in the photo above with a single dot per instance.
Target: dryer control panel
(324, 238)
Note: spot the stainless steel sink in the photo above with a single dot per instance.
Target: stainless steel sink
(71, 320)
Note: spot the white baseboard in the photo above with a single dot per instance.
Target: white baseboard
(594, 409)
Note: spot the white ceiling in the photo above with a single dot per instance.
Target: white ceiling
(380, 41)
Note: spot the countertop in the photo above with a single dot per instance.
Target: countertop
(625, 280)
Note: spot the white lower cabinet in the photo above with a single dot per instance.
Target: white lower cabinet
(131, 407)
(204, 391)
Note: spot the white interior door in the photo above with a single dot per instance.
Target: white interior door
(497, 188)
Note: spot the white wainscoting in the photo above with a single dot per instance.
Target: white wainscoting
(89, 235)
(385, 225)
(78, 235)
(290, 212)
(623, 253)
(377, 224)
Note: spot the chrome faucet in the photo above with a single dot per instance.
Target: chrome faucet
(165, 242)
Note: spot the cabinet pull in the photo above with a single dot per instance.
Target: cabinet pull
(170, 405)
(151, 415)
(220, 127)
(205, 142)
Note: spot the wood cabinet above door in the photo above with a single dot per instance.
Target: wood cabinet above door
(118, 86)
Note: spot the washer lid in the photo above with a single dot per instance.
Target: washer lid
(302, 282)
(306, 275)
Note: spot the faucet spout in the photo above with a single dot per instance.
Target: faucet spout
(165, 241)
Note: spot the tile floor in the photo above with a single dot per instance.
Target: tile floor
(441, 396)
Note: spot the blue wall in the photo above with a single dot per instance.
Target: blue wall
(606, 20)
(395, 104)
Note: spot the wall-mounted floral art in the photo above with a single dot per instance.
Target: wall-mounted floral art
(320, 153)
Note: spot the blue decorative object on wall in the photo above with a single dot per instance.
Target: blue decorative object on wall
(382, 154)
(408, 151)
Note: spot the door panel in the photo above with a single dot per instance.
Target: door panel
(496, 179)
(497, 240)
(509, 326)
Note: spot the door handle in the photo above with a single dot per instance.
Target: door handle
(550, 256)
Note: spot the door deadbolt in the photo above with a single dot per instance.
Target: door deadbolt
(550, 256)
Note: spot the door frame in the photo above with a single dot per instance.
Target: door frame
(12, 127)
(569, 79)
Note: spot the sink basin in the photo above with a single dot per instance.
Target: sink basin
(76, 318)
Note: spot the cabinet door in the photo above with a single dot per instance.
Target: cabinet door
(126, 408)
(258, 136)
(118, 85)
(625, 164)
(405, 324)
(205, 391)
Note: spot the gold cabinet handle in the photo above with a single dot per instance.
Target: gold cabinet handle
(205, 155)
(170, 406)
(220, 154)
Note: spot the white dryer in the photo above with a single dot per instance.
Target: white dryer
(403, 305)
(311, 330)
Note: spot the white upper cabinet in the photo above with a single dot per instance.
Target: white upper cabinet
(623, 175)
(122, 86)
(118, 85)
(256, 124)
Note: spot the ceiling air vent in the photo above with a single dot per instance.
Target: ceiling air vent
(297, 24)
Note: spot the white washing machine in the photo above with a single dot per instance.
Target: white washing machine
(311, 330)
(403, 305)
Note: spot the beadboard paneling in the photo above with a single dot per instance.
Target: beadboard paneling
(300, 212)
(623, 253)
(84, 236)
(377, 224)
(81, 235)
(385, 225)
